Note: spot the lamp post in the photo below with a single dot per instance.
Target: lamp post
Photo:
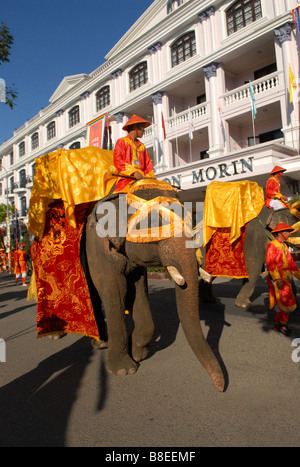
(7, 213)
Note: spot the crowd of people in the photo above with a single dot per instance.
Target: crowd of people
(16, 262)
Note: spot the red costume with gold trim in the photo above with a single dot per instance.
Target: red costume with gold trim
(273, 190)
(280, 265)
(129, 159)
(20, 261)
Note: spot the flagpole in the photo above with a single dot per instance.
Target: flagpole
(190, 132)
(253, 127)
(253, 111)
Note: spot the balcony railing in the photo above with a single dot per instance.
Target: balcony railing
(190, 114)
(259, 86)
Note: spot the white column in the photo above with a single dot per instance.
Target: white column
(117, 85)
(84, 107)
(213, 91)
(116, 127)
(289, 110)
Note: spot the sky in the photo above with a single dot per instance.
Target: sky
(54, 39)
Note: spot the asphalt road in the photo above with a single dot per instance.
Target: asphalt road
(57, 393)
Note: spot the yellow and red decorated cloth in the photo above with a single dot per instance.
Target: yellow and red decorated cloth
(65, 183)
(75, 176)
(63, 301)
(228, 207)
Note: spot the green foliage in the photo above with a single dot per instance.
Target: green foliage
(6, 41)
(294, 199)
(3, 211)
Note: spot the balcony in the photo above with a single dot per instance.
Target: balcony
(29, 182)
(19, 187)
(265, 89)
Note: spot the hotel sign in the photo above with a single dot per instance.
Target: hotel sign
(208, 174)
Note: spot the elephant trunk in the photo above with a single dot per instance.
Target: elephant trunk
(187, 298)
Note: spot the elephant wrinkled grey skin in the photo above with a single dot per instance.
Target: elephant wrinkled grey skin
(118, 271)
(256, 242)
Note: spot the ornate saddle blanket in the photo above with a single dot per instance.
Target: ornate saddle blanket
(228, 207)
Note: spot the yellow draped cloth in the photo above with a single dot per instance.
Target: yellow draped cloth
(74, 176)
(230, 204)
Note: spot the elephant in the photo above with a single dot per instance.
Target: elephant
(118, 270)
(258, 235)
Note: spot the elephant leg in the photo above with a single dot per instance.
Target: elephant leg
(243, 298)
(118, 361)
(143, 322)
(112, 290)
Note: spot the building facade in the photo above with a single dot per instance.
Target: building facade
(217, 79)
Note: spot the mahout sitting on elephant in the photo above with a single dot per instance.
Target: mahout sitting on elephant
(117, 264)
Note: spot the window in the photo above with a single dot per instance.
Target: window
(51, 131)
(201, 99)
(102, 98)
(23, 206)
(266, 70)
(183, 48)
(12, 184)
(138, 76)
(34, 141)
(75, 145)
(242, 13)
(204, 154)
(11, 158)
(172, 4)
(74, 116)
(22, 178)
(270, 135)
(22, 149)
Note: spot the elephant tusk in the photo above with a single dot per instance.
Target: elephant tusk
(205, 275)
(175, 275)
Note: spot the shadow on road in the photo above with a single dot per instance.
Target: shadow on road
(35, 408)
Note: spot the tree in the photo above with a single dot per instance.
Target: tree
(6, 41)
(3, 211)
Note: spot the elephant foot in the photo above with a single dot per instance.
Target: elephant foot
(121, 366)
(243, 302)
(56, 337)
(139, 353)
(97, 345)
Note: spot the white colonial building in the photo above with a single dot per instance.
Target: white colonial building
(194, 64)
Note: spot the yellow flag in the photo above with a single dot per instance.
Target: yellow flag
(292, 83)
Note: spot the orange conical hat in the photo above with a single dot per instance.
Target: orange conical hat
(282, 227)
(134, 120)
(277, 169)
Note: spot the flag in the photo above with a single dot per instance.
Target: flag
(163, 125)
(296, 16)
(154, 136)
(253, 104)
(95, 131)
(191, 126)
(292, 84)
(107, 133)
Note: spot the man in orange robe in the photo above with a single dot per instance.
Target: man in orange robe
(280, 266)
(4, 260)
(274, 198)
(21, 264)
(130, 155)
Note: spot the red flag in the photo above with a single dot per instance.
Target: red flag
(163, 125)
